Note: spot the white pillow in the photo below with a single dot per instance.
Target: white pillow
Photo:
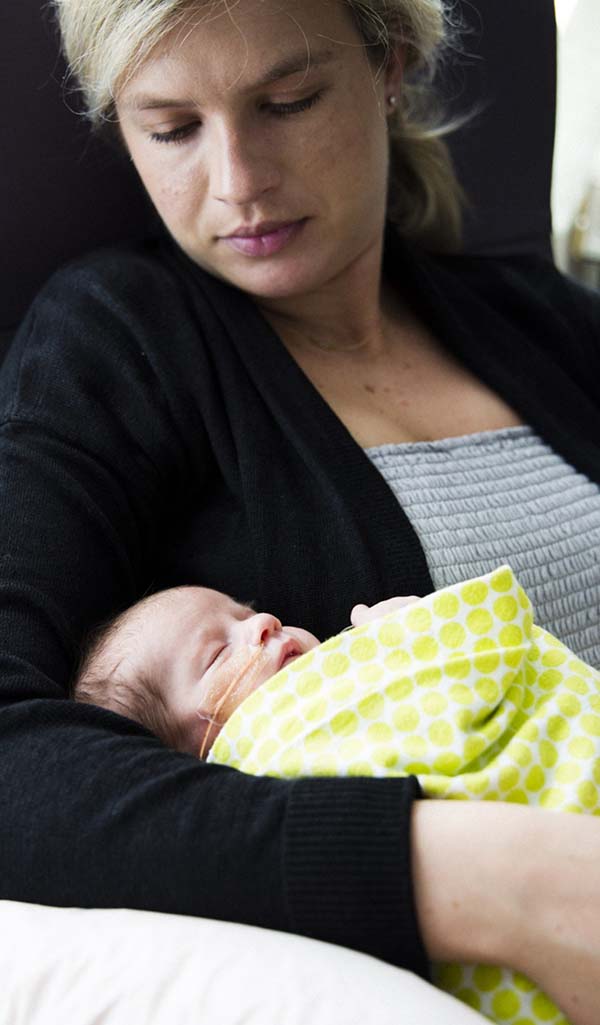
(71, 966)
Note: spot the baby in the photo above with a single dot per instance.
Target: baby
(181, 661)
(460, 688)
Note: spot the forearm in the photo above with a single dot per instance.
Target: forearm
(469, 866)
(95, 813)
(512, 886)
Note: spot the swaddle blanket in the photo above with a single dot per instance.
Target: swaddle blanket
(461, 689)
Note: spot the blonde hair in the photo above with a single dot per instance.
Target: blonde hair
(106, 41)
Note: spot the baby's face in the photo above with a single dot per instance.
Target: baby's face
(207, 653)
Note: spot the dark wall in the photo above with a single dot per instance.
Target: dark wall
(503, 156)
(61, 191)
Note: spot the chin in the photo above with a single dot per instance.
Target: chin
(278, 282)
(278, 277)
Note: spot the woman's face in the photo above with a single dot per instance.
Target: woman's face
(265, 121)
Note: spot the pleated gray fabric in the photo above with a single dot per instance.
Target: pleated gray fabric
(505, 496)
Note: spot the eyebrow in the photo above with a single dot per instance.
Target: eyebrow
(290, 65)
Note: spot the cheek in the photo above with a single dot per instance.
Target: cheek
(176, 192)
(366, 147)
(173, 187)
(224, 689)
(362, 139)
(306, 639)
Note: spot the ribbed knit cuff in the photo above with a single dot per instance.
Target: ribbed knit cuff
(347, 866)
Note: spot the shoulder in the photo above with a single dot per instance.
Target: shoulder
(520, 306)
(130, 280)
(147, 300)
(525, 301)
(118, 322)
(522, 288)
(527, 284)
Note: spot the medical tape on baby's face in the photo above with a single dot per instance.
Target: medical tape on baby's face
(244, 673)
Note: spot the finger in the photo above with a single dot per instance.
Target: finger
(359, 615)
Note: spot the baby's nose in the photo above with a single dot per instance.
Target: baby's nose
(261, 627)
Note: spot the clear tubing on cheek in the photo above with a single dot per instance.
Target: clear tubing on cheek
(244, 672)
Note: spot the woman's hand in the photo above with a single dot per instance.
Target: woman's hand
(365, 614)
(514, 886)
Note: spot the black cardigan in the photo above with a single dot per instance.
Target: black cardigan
(154, 432)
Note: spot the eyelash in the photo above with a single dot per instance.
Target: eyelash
(178, 135)
(216, 656)
(286, 109)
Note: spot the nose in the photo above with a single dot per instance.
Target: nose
(243, 167)
(260, 627)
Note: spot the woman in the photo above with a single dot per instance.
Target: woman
(225, 383)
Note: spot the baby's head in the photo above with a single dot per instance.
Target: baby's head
(181, 661)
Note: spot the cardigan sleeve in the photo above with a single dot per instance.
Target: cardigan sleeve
(94, 810)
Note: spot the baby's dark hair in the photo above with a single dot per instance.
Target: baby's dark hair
(100, 680)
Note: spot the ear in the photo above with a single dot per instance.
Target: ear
(394, 72)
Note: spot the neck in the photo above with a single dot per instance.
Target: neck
(349, 314)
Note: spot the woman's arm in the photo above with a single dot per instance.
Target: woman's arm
(94, 811)
(508, 885)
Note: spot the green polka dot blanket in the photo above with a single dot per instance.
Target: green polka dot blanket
(461, 689)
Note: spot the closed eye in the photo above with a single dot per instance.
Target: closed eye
(176, 134)
(183, 132)
(297, 107)
(215, 656)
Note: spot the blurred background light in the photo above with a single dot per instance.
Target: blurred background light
(577, 147)
(564, 12)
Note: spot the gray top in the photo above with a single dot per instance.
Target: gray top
(505, 496)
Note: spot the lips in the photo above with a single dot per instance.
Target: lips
(254, 231)
(288, 659)
(264, 240)
(289, 651)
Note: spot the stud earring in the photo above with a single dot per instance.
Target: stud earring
(392, 102)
